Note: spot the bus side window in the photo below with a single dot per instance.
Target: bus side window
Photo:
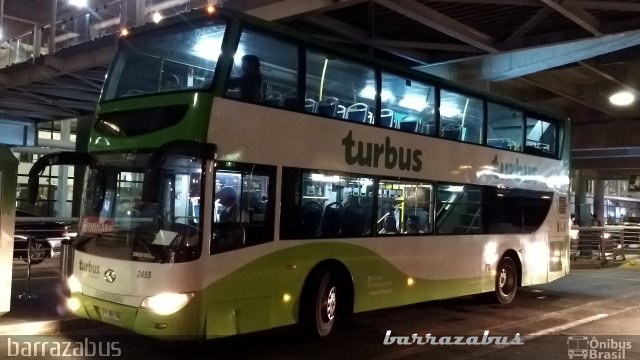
(243, 207)
(267, 70)
(340, 88)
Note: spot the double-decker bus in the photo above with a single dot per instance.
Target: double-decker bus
(342, 184)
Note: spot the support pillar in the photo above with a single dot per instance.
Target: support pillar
(52, 28)
(37, 41)
(83, 132)
(582, 209)
(141, 14)
(598, 200)
(63, 173)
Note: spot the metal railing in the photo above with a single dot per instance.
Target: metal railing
(87, 25)
(605, 243)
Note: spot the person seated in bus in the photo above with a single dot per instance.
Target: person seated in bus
(248, 86)
(412, 225)
(389, 226)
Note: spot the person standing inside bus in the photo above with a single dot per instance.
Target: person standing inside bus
(249, 84)
(229, 232)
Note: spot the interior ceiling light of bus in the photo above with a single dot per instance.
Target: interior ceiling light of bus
(210, 48)
(414, 102)
(369, 92)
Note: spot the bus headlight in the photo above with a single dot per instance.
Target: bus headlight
(74, 284)
(166, 303)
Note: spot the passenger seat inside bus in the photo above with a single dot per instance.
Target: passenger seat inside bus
(331, 219)
(358, 112)
(386, 118)
(327, 107)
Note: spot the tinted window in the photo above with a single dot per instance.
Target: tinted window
(460, 117)
(459, 209)
(243, 207)
(264, 70)
(325, 204)
(407, 105)
(505, 127)
(404, 207)
(339, 88)
(503, 210)
(541, 136)
(536, 206)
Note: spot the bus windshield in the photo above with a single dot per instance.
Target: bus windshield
(172, 60)
(116, 222)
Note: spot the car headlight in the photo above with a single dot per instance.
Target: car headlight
(606, 235)
(166, 303)
(74, 284)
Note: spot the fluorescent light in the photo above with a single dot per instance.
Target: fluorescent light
(369, 92)
(208, 48)
(78, 3)
(447, 110)
(622, 98)
(413, 101)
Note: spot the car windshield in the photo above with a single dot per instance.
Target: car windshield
(171, 59)
(116, 222)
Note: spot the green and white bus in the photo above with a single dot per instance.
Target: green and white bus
(350, 184)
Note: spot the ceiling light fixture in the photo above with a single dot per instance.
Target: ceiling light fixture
(622, 98)
(78, 3)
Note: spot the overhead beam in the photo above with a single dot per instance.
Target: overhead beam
(426, 45)
(570, 92)
(291, 8)
(58, 92)
(516, 63)
(603, 5)
(361, 36)
(528, 25)
(438, 21)
(584, 20)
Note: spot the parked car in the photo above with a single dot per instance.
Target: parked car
(46, 237)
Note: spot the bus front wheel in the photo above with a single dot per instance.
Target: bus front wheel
(506, 280)
(321, 307)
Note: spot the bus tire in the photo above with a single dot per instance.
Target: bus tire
(319, 312)
(506, 280)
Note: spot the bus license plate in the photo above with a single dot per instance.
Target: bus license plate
(110, 315)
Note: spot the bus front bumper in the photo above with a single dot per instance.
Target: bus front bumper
(184, 324)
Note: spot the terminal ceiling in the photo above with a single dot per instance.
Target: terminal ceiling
(566, 56)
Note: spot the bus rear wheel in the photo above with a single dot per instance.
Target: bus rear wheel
(321, 307)
(506, 280)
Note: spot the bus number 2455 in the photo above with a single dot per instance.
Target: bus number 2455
(144, 274)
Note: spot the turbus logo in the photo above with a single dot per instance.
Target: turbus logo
(110, 276)
(374, 154)
(89, 267)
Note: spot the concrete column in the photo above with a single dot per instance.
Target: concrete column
(63, 173)
(141, 15)
(124, 10)
(37, 41)
(52, 29)
(83, 132)
(3, 34)
(582, 209)
(598, 200)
